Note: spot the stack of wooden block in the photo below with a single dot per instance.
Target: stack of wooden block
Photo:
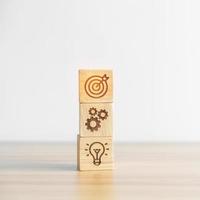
(95, 151)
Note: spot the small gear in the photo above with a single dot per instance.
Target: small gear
(103, 114)
(93, 124)
(93, 111)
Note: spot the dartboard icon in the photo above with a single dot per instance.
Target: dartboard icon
(96, 86)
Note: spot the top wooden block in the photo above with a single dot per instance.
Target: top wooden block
(95, 86)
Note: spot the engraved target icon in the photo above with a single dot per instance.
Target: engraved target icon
(96, 86)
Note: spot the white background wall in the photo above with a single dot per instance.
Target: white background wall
(153, 47)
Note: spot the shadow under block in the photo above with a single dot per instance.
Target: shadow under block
(95, 153)
(95, 86)
(95, 120)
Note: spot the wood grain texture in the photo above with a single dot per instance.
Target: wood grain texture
(93, 121)
(89, 159)
(93, 89)
(143, 172)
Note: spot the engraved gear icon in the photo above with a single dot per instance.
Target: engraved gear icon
(93, 111)
(93, 124)
(102, 114)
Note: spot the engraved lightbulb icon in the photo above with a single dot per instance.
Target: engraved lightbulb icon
(97, 150)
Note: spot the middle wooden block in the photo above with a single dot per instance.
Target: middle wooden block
(95, 120)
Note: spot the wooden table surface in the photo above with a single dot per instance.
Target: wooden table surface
(143, 171)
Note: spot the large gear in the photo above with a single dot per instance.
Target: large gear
(103, 114)
(93, 111)
(93, 124)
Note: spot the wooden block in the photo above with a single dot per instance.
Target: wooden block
(95, 86)
(95, 153)
(95, 120)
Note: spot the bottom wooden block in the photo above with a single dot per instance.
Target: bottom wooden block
(94, 153)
